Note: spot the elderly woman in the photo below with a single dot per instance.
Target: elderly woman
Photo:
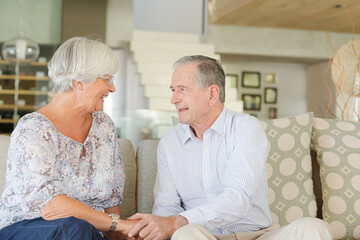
(65, 174)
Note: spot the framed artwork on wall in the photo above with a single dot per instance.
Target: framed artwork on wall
(270, 95)
(270, 78)
(272, 113)
(252, 101)
(232, 80)
(250, 80)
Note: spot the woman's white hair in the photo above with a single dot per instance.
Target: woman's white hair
(80, 59)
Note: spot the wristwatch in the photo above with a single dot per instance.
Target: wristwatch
(115, 219)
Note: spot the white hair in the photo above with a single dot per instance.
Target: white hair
(80, 59)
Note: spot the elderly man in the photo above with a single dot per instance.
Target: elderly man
(211, 181)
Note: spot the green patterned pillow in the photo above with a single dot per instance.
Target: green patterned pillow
(337, 144)
(291, 194)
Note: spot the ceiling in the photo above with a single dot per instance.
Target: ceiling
(321, 15)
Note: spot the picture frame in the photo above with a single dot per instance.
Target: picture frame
(272, 113)
(232, 80)
(270, 95)
(252, 101)
(270, 78)
(250, 79)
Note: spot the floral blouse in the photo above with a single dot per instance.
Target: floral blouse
(43, 163)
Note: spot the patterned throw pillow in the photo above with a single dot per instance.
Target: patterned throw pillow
(291, 194)
(337, 144)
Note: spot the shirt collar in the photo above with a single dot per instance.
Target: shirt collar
(218, 126)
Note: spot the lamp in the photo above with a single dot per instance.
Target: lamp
(20, 50)
(345, 73)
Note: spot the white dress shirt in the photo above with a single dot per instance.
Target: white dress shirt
(219, 182)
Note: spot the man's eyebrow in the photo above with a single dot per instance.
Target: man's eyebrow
(179, 86)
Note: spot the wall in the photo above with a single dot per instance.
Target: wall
(275, 42)
(291, 86)
(169, 15)
(317, 94)
(41, 20)
(83, 18)
(119, 22)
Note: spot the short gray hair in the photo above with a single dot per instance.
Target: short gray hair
(81, 59)
(209, 72)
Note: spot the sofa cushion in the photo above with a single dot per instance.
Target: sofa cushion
(337, 144)
(291, 194)
(128, 205)
(4, 146)
(147, 169)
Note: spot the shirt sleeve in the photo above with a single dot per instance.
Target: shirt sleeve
(243, 173)
(167, 201)
(32, 151)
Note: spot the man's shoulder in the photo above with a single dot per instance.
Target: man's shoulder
(239, 119)
(177, 132)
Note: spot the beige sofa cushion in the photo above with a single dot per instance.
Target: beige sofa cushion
(147, 169)
(4, 146)
(128, 206)
(290, 183)
(337, 144)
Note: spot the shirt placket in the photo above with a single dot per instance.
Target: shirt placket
(206, 173)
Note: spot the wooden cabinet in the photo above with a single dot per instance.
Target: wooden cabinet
(22, 93)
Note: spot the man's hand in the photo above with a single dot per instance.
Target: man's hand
(151, 227)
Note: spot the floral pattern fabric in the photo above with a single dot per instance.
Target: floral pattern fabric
(43, 163)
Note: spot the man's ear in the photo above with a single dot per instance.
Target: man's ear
(77, 84)
(214, 94)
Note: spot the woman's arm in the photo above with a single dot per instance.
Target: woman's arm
(126, 224)
(62, 206)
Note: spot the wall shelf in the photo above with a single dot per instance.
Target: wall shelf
(40, 64)
(8, 120)
(20, 107)
(20, 91)
(24, 78)
(24, 92)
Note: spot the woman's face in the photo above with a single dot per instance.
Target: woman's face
(95, 92)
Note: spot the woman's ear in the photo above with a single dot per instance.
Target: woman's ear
(214, 94)
(77, 84)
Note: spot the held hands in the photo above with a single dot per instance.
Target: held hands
(151, 227)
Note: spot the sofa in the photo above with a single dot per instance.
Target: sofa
(313, 170)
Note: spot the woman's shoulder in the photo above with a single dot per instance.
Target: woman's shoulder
(34, 119)
(32, 125)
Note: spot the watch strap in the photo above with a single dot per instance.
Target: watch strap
(115, 219)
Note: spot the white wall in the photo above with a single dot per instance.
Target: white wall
(169, 15)
(275, 42)
(318, 95)
(291, 86)
(119, 22)
(41, 20)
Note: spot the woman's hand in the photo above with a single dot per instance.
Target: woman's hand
(124, 226)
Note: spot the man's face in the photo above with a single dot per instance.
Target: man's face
(192, 103)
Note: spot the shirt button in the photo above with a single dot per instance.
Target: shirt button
(206, 149)
(206, 172)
